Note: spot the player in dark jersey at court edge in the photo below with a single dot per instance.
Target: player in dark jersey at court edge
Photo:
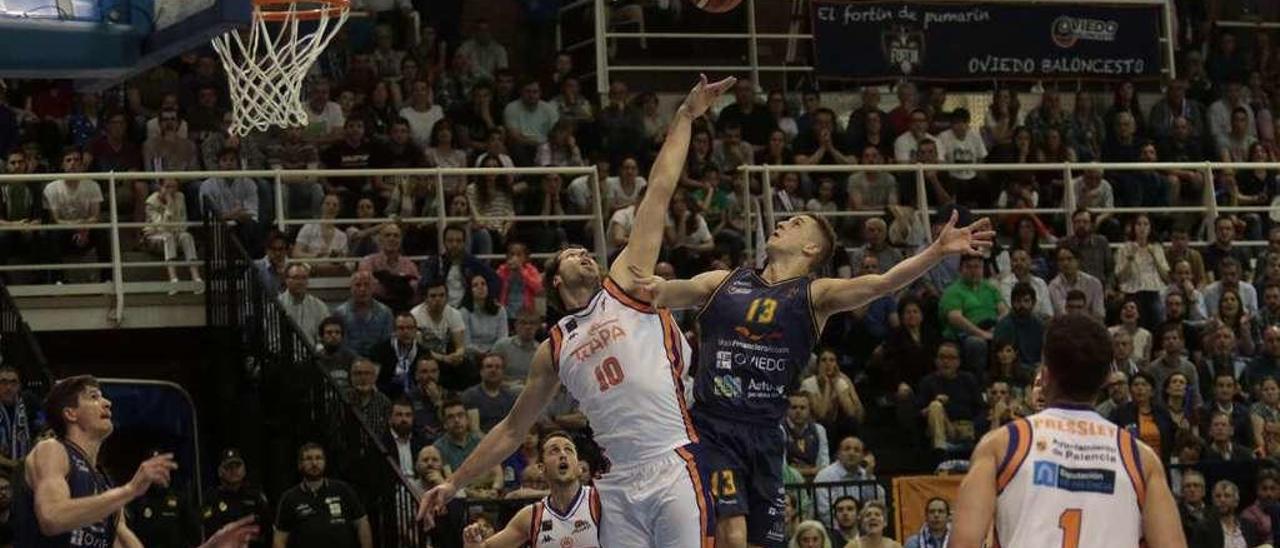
(67, 500)
(757, 330)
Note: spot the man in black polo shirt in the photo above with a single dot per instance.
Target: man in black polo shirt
(235, 498)
(320, 511)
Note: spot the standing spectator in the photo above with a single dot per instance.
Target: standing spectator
(320, 511)
(365, 321)
(332, 356)
(422, 113)
(807, 449)
(76, 201)
(455, 266)
(748, 114)
(459, 440)
(397, 355)
(969, 309)
(165, 209)
(21, 419)
(401, 439)
(164, 516)
(303, 308)
(852, 464)
(529, 121)
(1141, 269)
(517, 350)
(19, 206)
(235, 498)
(1227, 529)
(1145, 417)
(234, 200)
(486, 54)
(372, 406)
(444, 335)
(937, 525)
(950, 400)
(1092, 249)
(271, 267)
(1020, 273)
(1022, 327)
(486, 322)
(492, 399)
(521, 283)
(396, 276)
(1071, 278)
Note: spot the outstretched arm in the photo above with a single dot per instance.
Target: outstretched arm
(678, 294)
(651, 215)
(976, 503)
(504, 438)
(834, 295)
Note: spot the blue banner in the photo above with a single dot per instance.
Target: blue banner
(983, 41)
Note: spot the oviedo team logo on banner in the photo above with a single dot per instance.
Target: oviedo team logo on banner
(903, 48)
(1067, 31)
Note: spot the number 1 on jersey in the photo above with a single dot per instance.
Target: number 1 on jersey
(762, 310)
(609, 373)
(1069, 522)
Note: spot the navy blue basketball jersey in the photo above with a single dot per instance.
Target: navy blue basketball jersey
(755, 339)
(84, 480)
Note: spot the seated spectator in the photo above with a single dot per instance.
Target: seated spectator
(19, 205)
(1191, 507)
(560, 149)
(905, 357)
(1141, 268)
(372, 406)
(1178, 401)
(1005, 367)
(1146, 417)
(164, 207)
(852, 464)
(444, 335)
(302, 195)
(324, 239)
(324, 117)
(1229, 281)
(807, 448)
(21, 419)
(969, 309)
(1265, 364)
(76, 201)
(426, 397)
(810, 533)
(1004, 406)
(492, 399)
(875, 236)
(904, 147)
(1122, 356)
(396, 276)
(396, 357)
(1225, 392)
(113, 150)
(521, 283)
(1265, 414)
(731, 150)
(833, 397)
(234, 200)
(824, 199)
(1233, 146)
(332, 356)
(1222, 446)
(362, 235)
(1183, 145)
(1020, 272)
(937, 525)
(353, 151)
(1140, 337)
(1221, 355)
(1182, 285)
(401, 439)
(1223, 247)
(169, 151)
(303, 308)
(1173, 359)
(619, 231)
(1022, 327)
(1071, 278)
(776, 151)
(686, 237)
(455, 266)
(459, 440)
(1226, 528)
(1028, 234)
(1117, 391)
(421, 112)
(844, 528)
(271, 267)
(950, 400)
(872, 525)
(528, 120)
(486, 322)
(626, 188)
(517, 350)
(1261, 512)
(365, 321)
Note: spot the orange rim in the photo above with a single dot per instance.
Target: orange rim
(332, 8)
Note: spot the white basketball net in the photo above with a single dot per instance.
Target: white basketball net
(266, 72)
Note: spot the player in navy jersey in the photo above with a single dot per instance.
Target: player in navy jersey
(757, 330)
(67, 501)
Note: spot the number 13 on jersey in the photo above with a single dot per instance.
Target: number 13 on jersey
(762, 310)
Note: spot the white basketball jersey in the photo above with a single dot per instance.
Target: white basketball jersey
(1070, 478)
(624, 362)
(578, 528)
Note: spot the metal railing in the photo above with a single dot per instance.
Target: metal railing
(19, 348)
(300, 401)
(118, 287)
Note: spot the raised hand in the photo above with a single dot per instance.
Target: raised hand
(474, 534)
(236, 534)
(433, 502)
(974, 239)
(645, 284)
(153, 471)
(704, 94)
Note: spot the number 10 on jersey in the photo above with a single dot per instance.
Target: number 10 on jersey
(609, 373)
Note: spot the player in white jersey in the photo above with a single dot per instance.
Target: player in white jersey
(623, 361)
(569, 516)
(1066, 477)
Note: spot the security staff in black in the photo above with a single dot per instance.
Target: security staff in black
(235, 498)
(320, 511)
(165, 517)
(65, 499)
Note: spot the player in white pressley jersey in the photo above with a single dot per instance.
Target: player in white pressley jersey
(623, 361)
(1066, 477)
(569, 516)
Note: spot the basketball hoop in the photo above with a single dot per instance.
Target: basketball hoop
(266, 68)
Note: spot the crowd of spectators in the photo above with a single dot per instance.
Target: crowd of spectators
(432, 352)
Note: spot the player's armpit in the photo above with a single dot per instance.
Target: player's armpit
(831, 296)
(1161, 524)
(976, 502)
